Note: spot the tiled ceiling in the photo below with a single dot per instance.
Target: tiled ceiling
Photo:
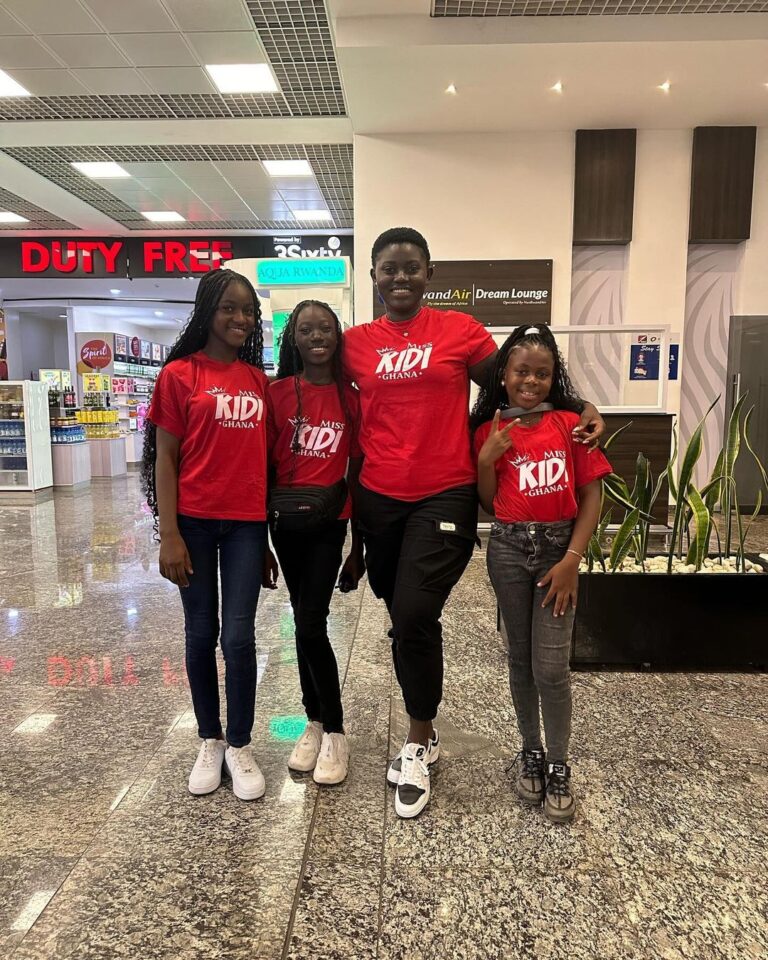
(39, 219)
(144, 59)
(583, 8)
(215, 187)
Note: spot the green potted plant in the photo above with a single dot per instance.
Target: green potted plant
(700, 602)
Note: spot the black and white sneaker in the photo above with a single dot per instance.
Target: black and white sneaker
(528, 770)
(412, 793)
(559, 801)
(433, 754)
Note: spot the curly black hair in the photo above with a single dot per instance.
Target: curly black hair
(193, 338)
(493, 396)
(290, 364)
(399, 235)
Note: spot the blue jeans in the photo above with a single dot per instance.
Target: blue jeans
(519, 554)
(236, 547)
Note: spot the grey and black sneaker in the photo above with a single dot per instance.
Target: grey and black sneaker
(413, 789)
(528, 770)
(559, 801)
(433, 753)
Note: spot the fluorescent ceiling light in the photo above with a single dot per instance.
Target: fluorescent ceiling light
(163, 216)
(288, 168)
(114, 290)
(242, 77)
(158, 313)
(7, 217)
(312, 214)
(102, 170)
(10, 88)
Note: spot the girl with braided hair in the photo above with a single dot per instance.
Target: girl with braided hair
(543, 486)
(205, 477)
(315, 429)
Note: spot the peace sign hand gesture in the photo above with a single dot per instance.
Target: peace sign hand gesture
(498, 442)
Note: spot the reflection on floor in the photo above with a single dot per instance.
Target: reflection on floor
(103, 853)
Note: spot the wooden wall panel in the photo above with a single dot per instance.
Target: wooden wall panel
(722, 177)
(604, 186)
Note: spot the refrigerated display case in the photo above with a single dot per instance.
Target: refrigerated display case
(25, 437)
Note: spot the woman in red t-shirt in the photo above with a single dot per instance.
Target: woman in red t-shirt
(416, 502)
(205, 477)
(315, 420)
(544, 489)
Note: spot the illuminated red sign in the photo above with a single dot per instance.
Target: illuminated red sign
(112, 257)
(66, 256)
(180, 256)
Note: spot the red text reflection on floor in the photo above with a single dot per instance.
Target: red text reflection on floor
(103, 672)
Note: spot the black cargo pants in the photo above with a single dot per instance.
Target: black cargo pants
(415, 554)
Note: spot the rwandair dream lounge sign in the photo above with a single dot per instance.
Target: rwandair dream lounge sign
(498, 293)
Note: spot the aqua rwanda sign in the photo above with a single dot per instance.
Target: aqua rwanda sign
(302, 273)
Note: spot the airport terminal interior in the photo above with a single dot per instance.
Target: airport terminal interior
(600, 169)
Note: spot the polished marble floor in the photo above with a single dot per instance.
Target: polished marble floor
(104, 854)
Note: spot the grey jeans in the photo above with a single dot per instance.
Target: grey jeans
(519, 554)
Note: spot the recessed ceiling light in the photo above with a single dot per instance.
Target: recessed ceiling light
(10, 88)
(312, 214)
(451, 90)
(288, 168)
(665, 86)
(242, 77)
(7, 217)
(102, 170)
(158, 313)
(114, 290)
(163, 216)
(62, 316)
(557, 87)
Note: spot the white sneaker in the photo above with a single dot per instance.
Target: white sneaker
(412, 793)
(206, 773)
(247, 779)
(433, 755)
(333, 761)
(304, 755)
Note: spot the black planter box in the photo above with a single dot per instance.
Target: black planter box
(701, 621)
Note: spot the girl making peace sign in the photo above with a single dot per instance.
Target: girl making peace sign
(544, 489)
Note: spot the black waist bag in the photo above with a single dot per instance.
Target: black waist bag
(306, 508)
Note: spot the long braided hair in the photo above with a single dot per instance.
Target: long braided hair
(193, 338)
(493, 396)
(290, 364)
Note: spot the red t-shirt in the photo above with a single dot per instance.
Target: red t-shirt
(327, 436)
(220, 412)
(539, 475)
(414, 400)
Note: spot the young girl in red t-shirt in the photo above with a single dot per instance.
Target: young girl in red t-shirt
(315, 427)
(205, 477)
(543, 487)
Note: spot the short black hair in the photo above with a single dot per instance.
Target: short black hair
(399, 235)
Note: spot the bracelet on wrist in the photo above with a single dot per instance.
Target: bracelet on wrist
(575, 553)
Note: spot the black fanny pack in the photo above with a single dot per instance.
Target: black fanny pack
(306, 508)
